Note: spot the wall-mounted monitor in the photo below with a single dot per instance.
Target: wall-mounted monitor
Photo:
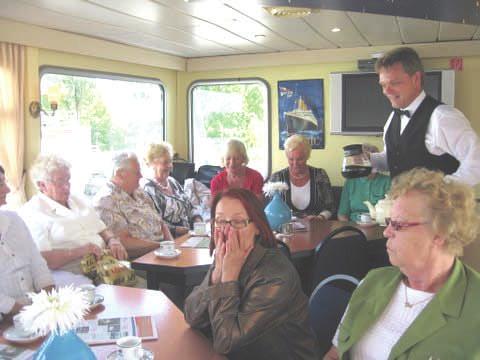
(358, 107)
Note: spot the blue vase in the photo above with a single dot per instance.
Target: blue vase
(67, 346)
(277, 212)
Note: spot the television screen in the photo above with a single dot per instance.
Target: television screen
(365, 108)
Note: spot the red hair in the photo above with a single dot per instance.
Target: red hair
(254, 209)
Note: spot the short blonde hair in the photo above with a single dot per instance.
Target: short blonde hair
(158, 150)
(45, 165)
(296, 141)
(235, 147)
(452, 205)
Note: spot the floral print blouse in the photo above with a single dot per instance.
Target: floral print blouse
(136, 213)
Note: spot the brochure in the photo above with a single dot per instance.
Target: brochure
(199, 242)
(106, 331)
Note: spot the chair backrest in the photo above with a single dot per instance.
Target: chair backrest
(206, 173)
(284, 248)
(182, 170)
(327, 305)
(343, 255)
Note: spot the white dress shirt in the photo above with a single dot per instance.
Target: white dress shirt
(448, 131)
(22, 268)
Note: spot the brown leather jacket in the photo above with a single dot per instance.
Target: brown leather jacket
(263, 315)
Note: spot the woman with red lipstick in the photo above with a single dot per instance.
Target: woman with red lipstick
(251, 298)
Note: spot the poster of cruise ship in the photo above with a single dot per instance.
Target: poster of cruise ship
(301, 111)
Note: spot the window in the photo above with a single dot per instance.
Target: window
(98, 114)
(221, 110)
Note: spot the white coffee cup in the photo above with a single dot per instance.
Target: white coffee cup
(130, 347)
(365, 218)
(89, 291)
(167, 247)
(19, 328)
(199, 228)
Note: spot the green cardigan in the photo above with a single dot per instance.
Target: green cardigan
(448, 327)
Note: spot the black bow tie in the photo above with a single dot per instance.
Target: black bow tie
(401, 112)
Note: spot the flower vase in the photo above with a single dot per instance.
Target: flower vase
(277, 212)
(67, 346)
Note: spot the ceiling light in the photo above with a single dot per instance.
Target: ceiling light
(287, 11)
(336, 29)
(260, 36)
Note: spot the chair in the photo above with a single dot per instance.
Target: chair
(206, 173)
(327, 305)
(345, 255)
(183, 170)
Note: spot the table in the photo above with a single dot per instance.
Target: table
(176, 340)
(190, 267)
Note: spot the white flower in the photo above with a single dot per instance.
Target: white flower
(57, 311)
(270, 187)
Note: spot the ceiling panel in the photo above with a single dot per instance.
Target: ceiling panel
(377, 29)
(294, 29)
(325, 20)
(418, 31)
(452, 31)
(222, 27)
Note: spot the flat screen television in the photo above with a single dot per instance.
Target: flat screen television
(358, 107)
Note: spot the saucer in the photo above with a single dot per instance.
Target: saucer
(193, 233)
(117, 355)
(97, 301)
(13, 335)
(164, 255)
(366, 224)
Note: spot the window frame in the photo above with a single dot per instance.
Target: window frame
(227, 81)
(58, 70)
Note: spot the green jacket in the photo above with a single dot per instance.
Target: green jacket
(448, 328)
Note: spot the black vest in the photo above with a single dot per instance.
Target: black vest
(406, 151)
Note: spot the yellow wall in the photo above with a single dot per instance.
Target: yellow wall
(330, 158)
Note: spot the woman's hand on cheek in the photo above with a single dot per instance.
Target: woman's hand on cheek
(237, 250)
(220, 248)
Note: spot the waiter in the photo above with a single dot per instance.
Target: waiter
(422, 131)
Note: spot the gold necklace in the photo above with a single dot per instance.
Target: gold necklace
(409, 305)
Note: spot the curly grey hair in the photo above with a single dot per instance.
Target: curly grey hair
(123, 160)
(45, 165)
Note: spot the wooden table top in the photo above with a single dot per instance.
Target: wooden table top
(176, 340)
(300, 244)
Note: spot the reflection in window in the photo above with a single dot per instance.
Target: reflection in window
(225, 110)
(98, 115)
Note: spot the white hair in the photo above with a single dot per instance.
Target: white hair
(123, 160)
(45, 165)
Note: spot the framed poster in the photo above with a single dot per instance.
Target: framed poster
(301, 111)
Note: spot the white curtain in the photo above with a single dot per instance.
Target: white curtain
(12, 131)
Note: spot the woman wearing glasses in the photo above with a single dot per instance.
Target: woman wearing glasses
(251, 299)
(426, 306)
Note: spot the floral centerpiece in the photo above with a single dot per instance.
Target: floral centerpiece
(277, 212)
(58, 312)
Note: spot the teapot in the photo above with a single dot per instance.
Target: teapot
(381, 210)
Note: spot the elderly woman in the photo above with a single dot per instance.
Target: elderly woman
(22, 268)
(251, 297)
(236, 173)
(167, 194)
(309, 192)
(426, 306)
(64, 227)
(127, 210)
(355, 191)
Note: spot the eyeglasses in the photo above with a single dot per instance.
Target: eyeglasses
(402, 225)
(235, 223)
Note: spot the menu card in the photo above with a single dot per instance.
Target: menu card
(199, 242)
(106, 331)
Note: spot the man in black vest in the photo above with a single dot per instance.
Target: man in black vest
(422, 131)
